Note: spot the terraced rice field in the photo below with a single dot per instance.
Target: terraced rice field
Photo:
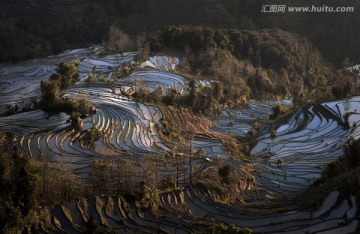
(188, 207)
(328, 216)
(21, 82)
(154, 79)
(162, 63)
(105, 66)
(312, 137)
(238, 121)
(125, 125)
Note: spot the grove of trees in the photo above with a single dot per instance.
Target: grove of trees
(52, 91)
(29, 185)
(261, 62)
(349, 162)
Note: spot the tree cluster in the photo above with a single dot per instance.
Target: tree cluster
(18, 195)
(28, 185)
(198, 98)
(117, 41)
(53, 89)
(350, 161)
(65, 76)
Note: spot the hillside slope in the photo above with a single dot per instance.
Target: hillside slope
(34, 28)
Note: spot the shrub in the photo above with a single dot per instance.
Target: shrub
(220, 228)
(273, 134)
(169, 154)
(200, 153)
(347, 117)
(164, 123)
(224, 173)
(91, 135)
(333, 169)
(75, 120)
(352, 153)
(143, 54)
(350, 161)
(279, 110)
(167, 183)
(280, 162)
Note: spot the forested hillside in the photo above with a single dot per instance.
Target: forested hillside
(34, 28)
(267, 62)
(334, 34)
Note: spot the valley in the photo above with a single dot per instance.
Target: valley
(273, 162)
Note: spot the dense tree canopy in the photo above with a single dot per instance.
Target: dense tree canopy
(18, 194)
(350, 161)
(269, 62)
